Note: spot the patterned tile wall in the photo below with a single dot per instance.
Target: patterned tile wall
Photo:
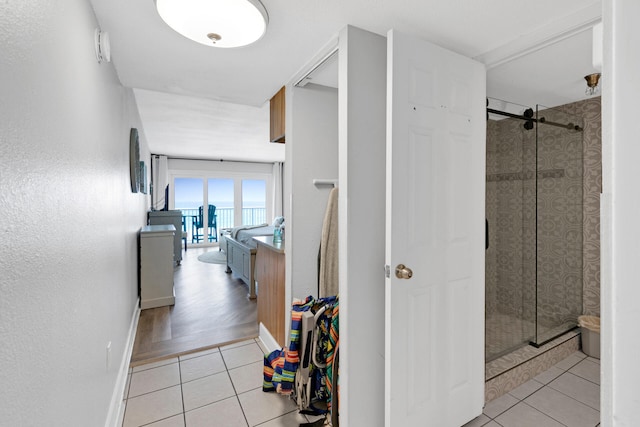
(589, 109)
(559, 233)
(569, 184)
(507, 144)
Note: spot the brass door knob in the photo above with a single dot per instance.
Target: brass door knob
(403, 272)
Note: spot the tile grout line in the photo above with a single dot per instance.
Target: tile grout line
(547, 415)
(541, 388)
(210, 403)
(179, 361)
(202, 377)
(572, 366)
(184, 412)
(154, 367)
(280, 416)
(126, 400)
(583, 378)
(210, 375)
(157, 421)
(573, 398)
(153, 391)
(233, 386)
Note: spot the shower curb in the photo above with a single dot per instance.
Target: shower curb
(525, 370)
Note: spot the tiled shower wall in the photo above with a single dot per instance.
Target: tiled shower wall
(568, 212)
(592, 187)
(508, 143)
(559, 224)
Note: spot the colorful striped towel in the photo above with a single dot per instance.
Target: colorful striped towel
(280, 366)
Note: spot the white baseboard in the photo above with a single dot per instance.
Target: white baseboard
(267, 339)
(116, 408)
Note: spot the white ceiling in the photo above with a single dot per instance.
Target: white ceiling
(202, 128)
(202, 102)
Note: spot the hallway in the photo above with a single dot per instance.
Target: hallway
(217, 387)
(223, 387)
(211, 309)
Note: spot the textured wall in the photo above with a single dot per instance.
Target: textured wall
(68, 217)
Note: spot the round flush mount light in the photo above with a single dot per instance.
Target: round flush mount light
(217, 23)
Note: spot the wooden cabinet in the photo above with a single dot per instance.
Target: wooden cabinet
(277, 118)
(270, 264)
(156, 266)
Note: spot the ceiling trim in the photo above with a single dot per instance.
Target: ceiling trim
(554, 32)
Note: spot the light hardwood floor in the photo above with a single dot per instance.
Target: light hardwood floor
(211, 309)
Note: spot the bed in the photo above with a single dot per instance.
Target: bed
(241, 251)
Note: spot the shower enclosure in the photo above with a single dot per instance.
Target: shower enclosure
(534, 225)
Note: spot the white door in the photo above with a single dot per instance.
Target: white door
(434, 356)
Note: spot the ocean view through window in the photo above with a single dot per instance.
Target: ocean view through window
(237, 202)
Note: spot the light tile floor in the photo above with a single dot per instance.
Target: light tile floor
(218, 387)
(567, 394)
(223, 387)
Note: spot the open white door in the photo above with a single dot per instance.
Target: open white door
(434, 367)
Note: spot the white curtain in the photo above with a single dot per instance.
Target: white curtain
(278, 182)
(159, 180)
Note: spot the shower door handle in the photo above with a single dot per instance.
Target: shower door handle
(486, 234)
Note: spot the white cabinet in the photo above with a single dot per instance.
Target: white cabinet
(170, 217)
(156, 266)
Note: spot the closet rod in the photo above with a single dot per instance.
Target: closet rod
(315, 67)
(331, 182)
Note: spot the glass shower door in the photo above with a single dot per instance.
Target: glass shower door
(534, 211)
(559, 223)
(510, 212)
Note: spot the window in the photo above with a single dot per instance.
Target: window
(254, 203)
(238, 200)
(220, 194)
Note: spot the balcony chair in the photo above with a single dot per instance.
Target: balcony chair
(184, 232)
(212, 226)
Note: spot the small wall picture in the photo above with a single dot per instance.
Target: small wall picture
(134, 160)
(143, 178)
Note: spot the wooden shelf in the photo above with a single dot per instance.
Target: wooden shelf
(277, 117)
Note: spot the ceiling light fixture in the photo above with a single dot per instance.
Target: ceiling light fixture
(217, 23)
(592, 84)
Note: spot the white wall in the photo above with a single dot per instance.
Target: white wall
(311, 151)
(68, 218)
(620, 227)
(362, 106)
